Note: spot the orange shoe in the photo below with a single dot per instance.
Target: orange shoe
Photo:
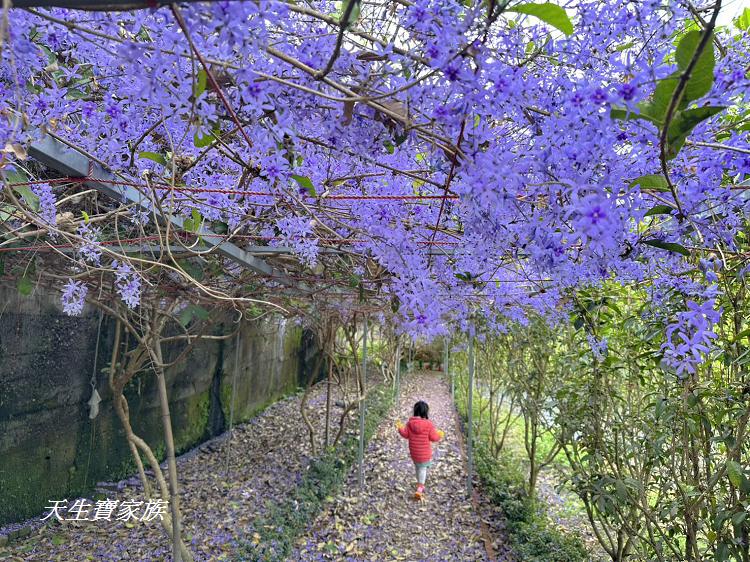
(419, 494)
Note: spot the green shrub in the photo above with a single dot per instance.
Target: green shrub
(285, 521)
(537, 541)
(530, 534)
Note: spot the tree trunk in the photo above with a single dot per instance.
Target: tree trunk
(171, 460)
(328, 403)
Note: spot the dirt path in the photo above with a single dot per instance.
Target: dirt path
(383, 522)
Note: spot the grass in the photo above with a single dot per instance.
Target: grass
(276, 532)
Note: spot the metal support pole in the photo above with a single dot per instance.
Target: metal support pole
(398, 370)
(446, 368)
(470, 428)
(361, 453)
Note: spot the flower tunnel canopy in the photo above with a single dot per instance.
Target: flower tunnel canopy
(446, 165)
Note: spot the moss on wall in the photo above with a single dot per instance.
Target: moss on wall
(194, 421)
(51, 450)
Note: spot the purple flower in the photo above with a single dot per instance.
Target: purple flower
(297, 233)
(90, 248)
(627, 91)
(113, 110)
(88, 109)
(452, 71)
(598, 347)
(594, 217)
(690, 336)
(47, 201)
(577, 100)
(128, 284)
(599, 97)
(73, 297)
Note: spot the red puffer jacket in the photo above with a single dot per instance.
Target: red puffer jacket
(420, 432)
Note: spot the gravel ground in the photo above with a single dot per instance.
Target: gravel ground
(222, 490)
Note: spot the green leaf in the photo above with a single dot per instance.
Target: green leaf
(353, 16)
(219, 227)
(646, 112)
(190, 312)
(194, 223)
(624, 46)
(199, 86)
(549, 13)
(76, 94)
(661, 404)
(657, 109)
(659, 210)
(14, 175)
(193, 269)
(18, 176)
(743, 22)
(652, 182)
(153, 156)
(734, 471)
(186, 315)
(31, 198)
(25, 286)
(683, 124)
(621, 491)
(702, 77)
(202, 141)
(85, 216)
(671, 246)
(699, 84)
(305, 183)
(200, 312)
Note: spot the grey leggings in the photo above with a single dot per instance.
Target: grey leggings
(421, 469)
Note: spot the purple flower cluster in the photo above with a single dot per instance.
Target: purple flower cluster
(517, 122)
(598, 347)
(128, 284)
(297, 232)
(691, 336)
(73, 297)
(47, 202)
(90, 249)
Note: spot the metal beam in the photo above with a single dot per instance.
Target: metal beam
(57, 156)
(97, 5)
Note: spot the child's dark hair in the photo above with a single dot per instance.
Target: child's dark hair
(421, 410)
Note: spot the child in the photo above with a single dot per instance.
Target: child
(420, 432)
